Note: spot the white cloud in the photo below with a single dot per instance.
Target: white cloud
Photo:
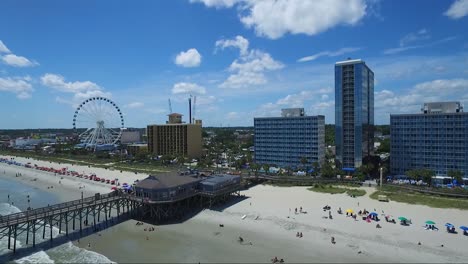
(80, 90)
(188, 88)
(189, 58)
(422, 34)
(273, 19)
(444, 86)
(410, 101)
(18, 61)
(328, 54)
(135, 105)
(238, 42)
(249, 68)
(216, 3)
(458, 9)
(3, 48)
(58, 82)
(232, 116)
(206, 100)
(20, 86)
(306, 99)
(405, 48)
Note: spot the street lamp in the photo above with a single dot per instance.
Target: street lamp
(381, 175)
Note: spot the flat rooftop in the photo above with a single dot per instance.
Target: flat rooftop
(349, 62)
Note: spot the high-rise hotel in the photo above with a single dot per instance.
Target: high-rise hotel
(434, 139)
(284, 141)
(354, 112)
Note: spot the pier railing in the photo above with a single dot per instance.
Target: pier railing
(57, 208)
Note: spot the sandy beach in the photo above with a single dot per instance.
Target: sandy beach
(269, 227)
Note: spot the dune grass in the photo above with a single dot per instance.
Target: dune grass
(335, 190)
(405, 196)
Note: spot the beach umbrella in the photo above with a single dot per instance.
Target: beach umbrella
(448, 225)
(429, 222)
(114, 188)
(464, 228)
(350, 211)
(374, 213)
(401, 218)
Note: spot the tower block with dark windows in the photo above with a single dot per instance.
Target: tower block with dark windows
(354, 113)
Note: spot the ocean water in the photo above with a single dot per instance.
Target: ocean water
(14, 198)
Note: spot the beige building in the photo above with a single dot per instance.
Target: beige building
(175, 138)
(134, 149)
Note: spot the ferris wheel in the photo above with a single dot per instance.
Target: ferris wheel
(98, 121)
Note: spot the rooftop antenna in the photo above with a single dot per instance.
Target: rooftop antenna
(190, 109)
(170, 106)
(194, 107)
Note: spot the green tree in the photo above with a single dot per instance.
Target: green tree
(255, 167)
(358, 174)
(327, 171)
(366, 169)
(413, 174)
(427, 176)
(303, 161)
(456, 175)
(315, 166)
(140, 155)
(384, 146)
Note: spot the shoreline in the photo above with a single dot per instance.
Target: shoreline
(271, 224)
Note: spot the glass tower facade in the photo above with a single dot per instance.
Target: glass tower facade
(284, 141)
(435, 140)
(354, 112)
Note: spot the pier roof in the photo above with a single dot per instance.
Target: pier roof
(165, 181)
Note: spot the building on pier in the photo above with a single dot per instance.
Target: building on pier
(167, 187)
(174, 187)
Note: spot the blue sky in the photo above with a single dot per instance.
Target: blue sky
(240, 58)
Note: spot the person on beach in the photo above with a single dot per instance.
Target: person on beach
(333, 240)
(89, 245)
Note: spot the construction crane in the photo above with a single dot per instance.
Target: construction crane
(194, 107)
(170, 106)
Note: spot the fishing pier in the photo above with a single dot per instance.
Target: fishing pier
(156, 198)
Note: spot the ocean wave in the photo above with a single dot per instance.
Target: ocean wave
(6, 209)
(69, 253)
(65, 253)
(38, 257)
